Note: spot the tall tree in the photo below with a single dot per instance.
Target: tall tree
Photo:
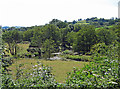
(12, 38)
(85, 38)
(63, 37)
(48, 48)
(107, 36)
(47, 39)
(28, 34)
(52, 32)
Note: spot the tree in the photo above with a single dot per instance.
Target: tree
(54, 21)
(79, 19)
(85, 38)
(63, 37)
(12, 38)
(77, 27)
(71, 36)
(74, 22)
(99, 49)
(105, 35)
(49, 34)
(38, 38)
(36, 42)
(51, 31)
(0, 37)
(27, 35)
(62, 24)
(111, 22)
(48, 48)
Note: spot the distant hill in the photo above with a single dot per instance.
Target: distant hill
(7, 27)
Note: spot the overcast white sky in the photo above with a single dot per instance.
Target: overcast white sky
(40, 12)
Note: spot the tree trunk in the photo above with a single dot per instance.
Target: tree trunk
(15, 49)
(39, 52)
(11, 49)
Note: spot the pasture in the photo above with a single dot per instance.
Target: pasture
(59, 68)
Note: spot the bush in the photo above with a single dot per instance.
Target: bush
(6, 62)
(99, 49)
(86, 58)
(78, 58)
(102, 74)
(67, 52)
(36, 54)
(73, 57)
(5, 76)
(28, 55)
(40, 76)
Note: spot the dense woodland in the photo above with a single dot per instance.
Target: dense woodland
(92, 40)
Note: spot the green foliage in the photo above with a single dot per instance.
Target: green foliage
(48, 48)
(101, 49)
(106, 36)
(78, 58)
(102, 74)
(117, 31)
(62, 24)
(29, 55)
(77, 27)
(46, 39)
(71, 37)
(86, 37)
(39, 77)
(54, 21)
(37, 39)
(6, 80)
(12, 38)
(67, 52)
(27, 35)
(63, 37)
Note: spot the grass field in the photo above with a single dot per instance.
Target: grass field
(59, 68)
(22, 48)
(104, 27)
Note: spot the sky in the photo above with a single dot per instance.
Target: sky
(39, 12)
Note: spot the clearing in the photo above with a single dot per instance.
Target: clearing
(59, 68)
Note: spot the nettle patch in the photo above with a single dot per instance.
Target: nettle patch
(96, 74)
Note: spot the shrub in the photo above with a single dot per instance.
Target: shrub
(78, 58)
(102, 74)
(86, 58)
(36, 54)
(67, 52)
(99, 49)
(28, 55)
(40, 76)
(5, 76)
